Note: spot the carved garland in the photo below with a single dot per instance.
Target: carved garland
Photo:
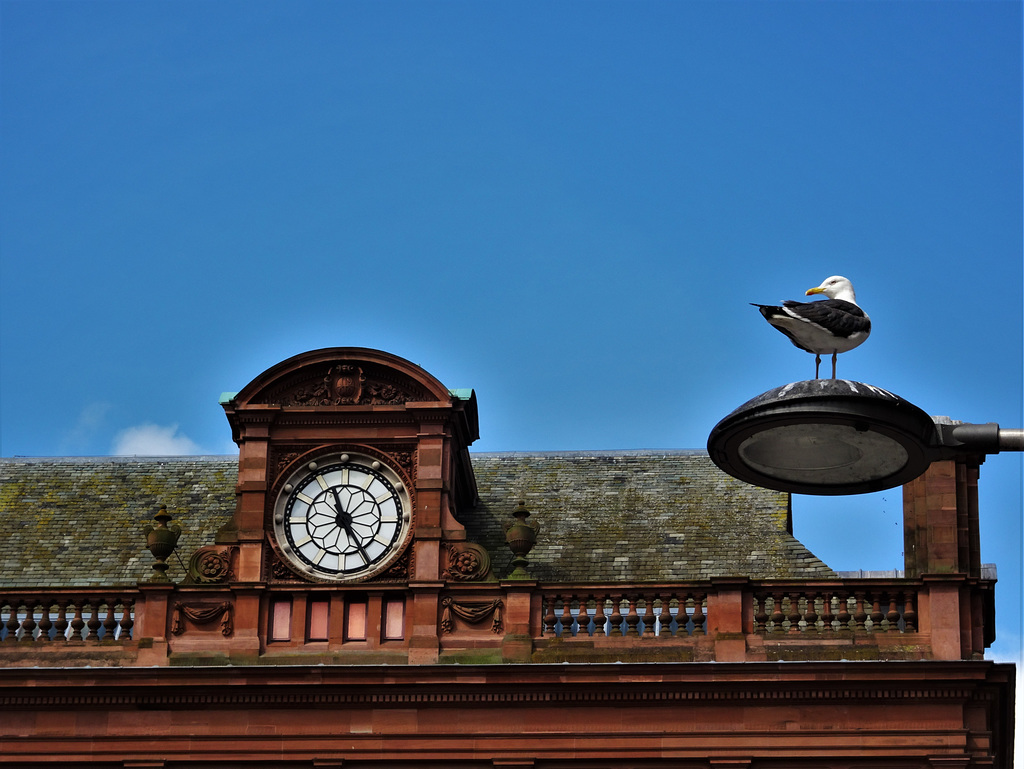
(472, 612)
(201, 614)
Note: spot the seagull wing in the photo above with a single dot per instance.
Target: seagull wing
(837, 317)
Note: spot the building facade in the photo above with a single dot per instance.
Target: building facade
(356, 589)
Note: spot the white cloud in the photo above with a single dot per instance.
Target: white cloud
(153, 440)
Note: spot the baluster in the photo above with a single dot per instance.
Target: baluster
(3, 612)
(60, 627)
(876, 614)
(859, 615)
(649, 619)
(761, 615)
(795, 615)
(683, 617)
(94, 623)
(127, 622)
(909, 615)
(675, 627)
(44, 621)
(567, 617)
(549, 617)
(810, 615)
(645, 608)
(600, 621)
(826, 611)
(657, 625)
(77, 623)
(616, 616)
(632, 618)
(893, 615)
(583, 617)
(28, 625)
(699, 619)
(12, 622)
(109, 623)
(844, 612)
(777, 615)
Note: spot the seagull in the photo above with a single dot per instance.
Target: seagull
(833, 325)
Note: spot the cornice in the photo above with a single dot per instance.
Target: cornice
(359, 686)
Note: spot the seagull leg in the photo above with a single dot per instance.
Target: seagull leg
(834, 355)
(817, 365)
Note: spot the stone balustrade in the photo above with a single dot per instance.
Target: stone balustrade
(68, 618)
(724, 619)
(660, 612)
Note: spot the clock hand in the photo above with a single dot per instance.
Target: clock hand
(345, 521)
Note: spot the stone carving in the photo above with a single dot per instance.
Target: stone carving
(345, 384)
(209, 565)
(521, 536)
(161, 540)
(281, 458)
(399, 570)
(280, 570)
(201, 614)
(472, 612)
(467, 562)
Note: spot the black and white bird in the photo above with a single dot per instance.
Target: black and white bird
(833, 325)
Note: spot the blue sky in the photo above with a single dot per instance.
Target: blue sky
(564, 205)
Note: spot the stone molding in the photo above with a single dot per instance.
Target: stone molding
(597, 684)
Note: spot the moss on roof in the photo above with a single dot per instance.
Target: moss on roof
(637, 516)
(604, 517)
(79, 522)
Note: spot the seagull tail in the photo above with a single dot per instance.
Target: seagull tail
(769, 310)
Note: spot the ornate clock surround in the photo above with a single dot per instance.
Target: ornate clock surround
(363, 403)
(311, 464)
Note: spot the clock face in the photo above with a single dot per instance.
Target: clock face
(343, 517)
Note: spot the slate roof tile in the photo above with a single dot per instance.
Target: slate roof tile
(603, 517)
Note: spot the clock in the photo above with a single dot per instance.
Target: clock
(342, 518)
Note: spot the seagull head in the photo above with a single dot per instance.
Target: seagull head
(836, 287)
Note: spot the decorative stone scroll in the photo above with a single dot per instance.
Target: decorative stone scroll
(472, 612)
(200, 615)
(467, 562)
(210, 565)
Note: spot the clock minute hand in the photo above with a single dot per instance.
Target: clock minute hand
(346, 523)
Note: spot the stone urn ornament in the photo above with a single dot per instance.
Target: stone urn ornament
(521, 536)
(161, 540)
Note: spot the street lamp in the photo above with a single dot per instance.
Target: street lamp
(834, 436)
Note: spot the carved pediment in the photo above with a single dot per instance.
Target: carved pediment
(343, 384)
(342, 377)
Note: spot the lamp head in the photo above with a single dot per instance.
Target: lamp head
(824, 437)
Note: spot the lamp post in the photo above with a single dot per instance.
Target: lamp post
(834, 436)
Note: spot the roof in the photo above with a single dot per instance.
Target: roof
(637, 516)
(76, 522)
(603, 516)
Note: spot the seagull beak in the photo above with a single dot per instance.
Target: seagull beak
(818, 290)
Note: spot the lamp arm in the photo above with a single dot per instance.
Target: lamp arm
(987, 438)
